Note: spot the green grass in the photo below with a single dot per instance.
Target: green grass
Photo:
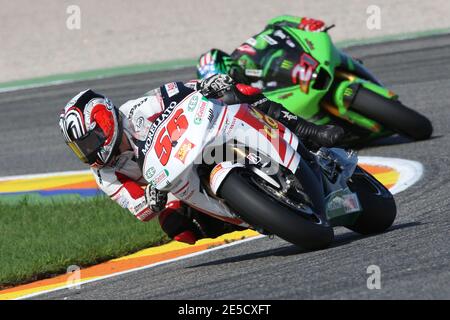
(40, 239)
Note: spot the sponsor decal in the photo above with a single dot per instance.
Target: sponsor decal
(123, 202)
(288, 116)
(185, 192)
(189, 195)
(140, 206)
(119, 162)
(287, 64)
(272, 84)
(342, 202)
(184, 150)
(310, 44)
(172, 89)
(200, 113)
(254, 73)
(348, 92)
(351, 203)
(253, 158)
(219, 172)
(139, 123)
(251, 41)
(247, 49)
(258, 84)
(160, 177)
(150, 173)
(133, 108)
(303, 72)
(269, 40)
(192, 103)
(285, 96)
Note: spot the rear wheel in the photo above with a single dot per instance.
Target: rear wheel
(263, 208)
(392, 114)
(378, 204)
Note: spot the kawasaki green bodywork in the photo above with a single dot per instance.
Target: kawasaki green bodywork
(307, 105)
(322, 94)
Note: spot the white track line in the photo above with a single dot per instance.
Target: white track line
(143, 268)
(39, 85)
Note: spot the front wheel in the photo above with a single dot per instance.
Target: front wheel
(378, 204)
(259, 206)
(392, 114)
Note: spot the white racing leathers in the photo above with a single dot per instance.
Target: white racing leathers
(122, 179)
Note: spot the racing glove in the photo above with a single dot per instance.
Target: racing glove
(156, 199)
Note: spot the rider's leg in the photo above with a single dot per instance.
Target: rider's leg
(323, 135)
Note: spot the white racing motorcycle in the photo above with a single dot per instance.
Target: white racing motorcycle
(238, 165)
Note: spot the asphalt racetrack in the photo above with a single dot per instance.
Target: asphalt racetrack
(413, 255)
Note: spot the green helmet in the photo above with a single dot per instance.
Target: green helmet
(216, 61)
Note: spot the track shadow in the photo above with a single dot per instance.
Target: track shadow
(349, 237)
(291, 249)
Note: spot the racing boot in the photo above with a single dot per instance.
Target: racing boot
(185, 224)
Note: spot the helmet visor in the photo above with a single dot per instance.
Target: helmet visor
(87, 147)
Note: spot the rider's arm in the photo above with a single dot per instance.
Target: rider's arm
(223, 87)
(128, 193)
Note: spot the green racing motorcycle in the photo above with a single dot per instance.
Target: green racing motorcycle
(306, 73)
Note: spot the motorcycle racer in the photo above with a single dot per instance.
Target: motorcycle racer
(295, 62)
(255, 62)
(111, 140)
